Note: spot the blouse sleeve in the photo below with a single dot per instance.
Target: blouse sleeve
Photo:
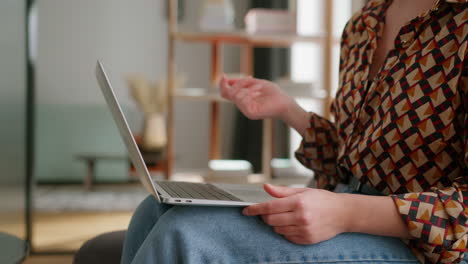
(318, 151)
(319, 147)
(437, 220)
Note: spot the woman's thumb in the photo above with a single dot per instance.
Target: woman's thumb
(281, 191)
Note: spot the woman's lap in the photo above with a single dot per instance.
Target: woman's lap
(141, 224)
(191, 234)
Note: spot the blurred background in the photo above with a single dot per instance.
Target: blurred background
(64, 173)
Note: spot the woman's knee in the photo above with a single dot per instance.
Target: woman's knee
(146, 215)
(192, 222)
(150, 208)
(147, 204)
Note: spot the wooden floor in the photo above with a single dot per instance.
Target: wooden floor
(60, 259)
(66, 232)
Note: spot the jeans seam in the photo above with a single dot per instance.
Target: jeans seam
(340, 261)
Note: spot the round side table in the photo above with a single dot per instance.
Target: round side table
(12, 249)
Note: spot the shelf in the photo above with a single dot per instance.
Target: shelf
(241, 37)
(199, 94)
(247, 42)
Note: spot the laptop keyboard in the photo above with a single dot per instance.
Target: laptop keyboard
(203, 191)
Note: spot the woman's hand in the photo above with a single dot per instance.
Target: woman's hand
(303, 215)
(256, 98)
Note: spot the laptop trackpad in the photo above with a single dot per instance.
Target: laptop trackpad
(247, 193)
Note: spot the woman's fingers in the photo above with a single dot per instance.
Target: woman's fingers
(281, 219)
(289, 230)
(224, 88)
(297, 240)
(231, 81)
(271, 207)
(244, 83)
(232, 88)
(282, 191)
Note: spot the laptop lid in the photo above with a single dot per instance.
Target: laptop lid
(124, 129)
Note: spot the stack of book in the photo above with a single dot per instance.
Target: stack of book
(268, 21)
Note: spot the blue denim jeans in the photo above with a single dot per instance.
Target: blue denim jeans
(190, 234)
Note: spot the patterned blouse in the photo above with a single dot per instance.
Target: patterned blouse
(404, 133)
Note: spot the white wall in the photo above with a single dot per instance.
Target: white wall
(128, 36)
(12, 117)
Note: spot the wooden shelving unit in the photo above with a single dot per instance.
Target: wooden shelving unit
(198, 94)
(247, 42)
(242, 38)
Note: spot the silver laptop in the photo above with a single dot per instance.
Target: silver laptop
(171, 192)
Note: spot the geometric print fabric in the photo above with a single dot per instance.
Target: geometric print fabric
(405, 133)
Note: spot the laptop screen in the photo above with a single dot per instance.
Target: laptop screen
(124, 129)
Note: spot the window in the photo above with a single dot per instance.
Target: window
(307, 59)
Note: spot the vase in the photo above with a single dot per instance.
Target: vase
(154, 136)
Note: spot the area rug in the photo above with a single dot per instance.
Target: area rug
(58, 198)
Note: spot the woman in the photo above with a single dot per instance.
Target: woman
(400, 135)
